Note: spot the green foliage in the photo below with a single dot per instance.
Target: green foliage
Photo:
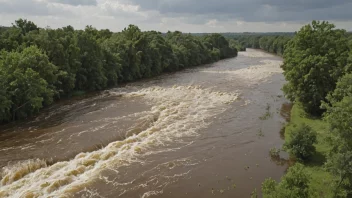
(314, 61)
(340, 158)
(343, 89)
(61, 47)
(340, 164)
(294, 184)
(28, 77)
(236, 45)
(219, 42)
(5, 99)
(322, 183)
(90, 76)
(301, 143)
(25, 26)
(271, 43)
(340, 120)
(317, 67)
(38, 65)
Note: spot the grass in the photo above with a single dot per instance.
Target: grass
(322, 182)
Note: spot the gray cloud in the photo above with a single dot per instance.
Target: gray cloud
(184, 15)
(24, 7)
(253, 10)
(76, 2)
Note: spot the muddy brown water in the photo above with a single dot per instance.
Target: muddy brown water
(201, 132)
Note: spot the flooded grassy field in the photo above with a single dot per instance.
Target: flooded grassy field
(203, 132)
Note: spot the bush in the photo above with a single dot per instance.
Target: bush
(301, 144)
(294, 184)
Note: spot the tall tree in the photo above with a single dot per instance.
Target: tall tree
(314, 60)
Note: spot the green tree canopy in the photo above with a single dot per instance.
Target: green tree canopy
(314, 61)
(29, 78)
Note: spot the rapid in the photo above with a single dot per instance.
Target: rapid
(200, 132)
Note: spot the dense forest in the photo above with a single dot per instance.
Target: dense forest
(273, 43)
(318, 69)
(39, 66)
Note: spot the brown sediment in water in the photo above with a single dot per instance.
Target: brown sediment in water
(286, 111)
(178, 135)
(18, 170)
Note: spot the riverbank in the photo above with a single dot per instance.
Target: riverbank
(322, 182)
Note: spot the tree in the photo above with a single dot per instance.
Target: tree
(340, 120)
(29, 76)
(62, 50)
(10, 39)
(294, 184)
(234, 44)
(343, 89)
(301, 143)
(219, 42)
(90, 76)
(25, 26)
(5, 99)
(340, 158)
(314, 60)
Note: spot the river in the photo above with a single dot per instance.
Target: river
(202, 132)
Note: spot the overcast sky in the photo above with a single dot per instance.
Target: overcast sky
(184, 15)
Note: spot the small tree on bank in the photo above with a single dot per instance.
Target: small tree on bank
(301, 144)
(294, 184)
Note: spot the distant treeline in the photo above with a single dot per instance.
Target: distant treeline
(273, 42)
(270, 42)
(39, 66)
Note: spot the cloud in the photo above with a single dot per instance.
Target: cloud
(184, 15)
(24, 7)
(38, 8)
(253, 10)
(77, 2)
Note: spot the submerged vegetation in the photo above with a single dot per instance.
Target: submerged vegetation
(275, 153)
(317, 67)
(39, 66)
(267, 114)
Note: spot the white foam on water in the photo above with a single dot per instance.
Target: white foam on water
(87, 193)
(176, 112)
(152, 193)
(254, 53)
(253, 74)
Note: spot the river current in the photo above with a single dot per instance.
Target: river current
(202, 132)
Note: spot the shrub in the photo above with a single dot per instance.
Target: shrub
(294, 184)
(301, 144)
